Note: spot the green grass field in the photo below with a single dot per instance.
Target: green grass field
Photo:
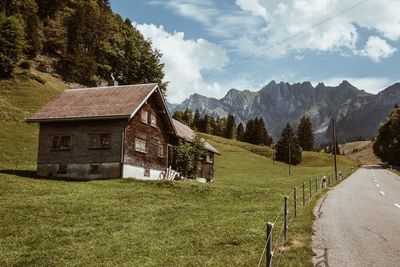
(134, 223)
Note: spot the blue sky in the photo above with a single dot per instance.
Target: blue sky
(211, 46)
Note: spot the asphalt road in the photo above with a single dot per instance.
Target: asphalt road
(358, 222)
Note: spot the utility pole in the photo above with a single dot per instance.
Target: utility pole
(334, 144)
(273, 155)
(290, 157)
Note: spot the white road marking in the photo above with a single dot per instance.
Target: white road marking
(397, 205)
(377, 185)
(382, 193)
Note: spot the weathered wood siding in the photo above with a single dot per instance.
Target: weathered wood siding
(138, 129)
(80, 153)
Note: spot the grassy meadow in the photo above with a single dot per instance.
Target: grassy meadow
(136, 223)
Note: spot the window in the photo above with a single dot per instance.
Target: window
(209, 158)
(160, 149)
(62, 169)
(99, 141)
(144, 116)
(94, 168)
(140, 145)
(153, 120)
(61, 143)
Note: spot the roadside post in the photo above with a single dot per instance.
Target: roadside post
(286, 218)
(268, 250)
(295, 201)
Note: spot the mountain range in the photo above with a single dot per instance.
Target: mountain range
(357, 113)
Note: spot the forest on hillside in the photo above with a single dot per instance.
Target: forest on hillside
(83, 41)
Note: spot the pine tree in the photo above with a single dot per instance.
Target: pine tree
(188, 117)
(206, 124)
(282, 147)
(240, 132)
(250, 131)
(230, 127)
(305, 134)
(11, 44)
(387, 142)
(197, 120)
(178, 115)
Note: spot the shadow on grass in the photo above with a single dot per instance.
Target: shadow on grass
(32, 175)
(21, 173)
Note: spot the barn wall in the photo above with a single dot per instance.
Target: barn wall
(80, 157)
(141, 164)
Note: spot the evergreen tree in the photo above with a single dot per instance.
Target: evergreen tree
(230, 127)
(11, 44)
(387, 142)
(212, 124)
(305, 134)
(197, 120)
(206, 124)
(188, 117)
(240, 132)
(282, 147)
(249, 135)
(178, 115)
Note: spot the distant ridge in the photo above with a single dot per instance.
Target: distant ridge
(358, 113)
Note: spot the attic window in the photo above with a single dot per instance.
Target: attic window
(61, 143)
(153, 120)
(209, 158)
(99, 141)
(144, 116)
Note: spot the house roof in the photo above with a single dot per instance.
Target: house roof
(185, 132)
(96, 103)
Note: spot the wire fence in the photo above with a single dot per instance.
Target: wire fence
(292, 209)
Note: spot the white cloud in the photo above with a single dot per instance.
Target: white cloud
(185, 60)
(376, 49)
(253, 6)
(262, 27)
(371, 85)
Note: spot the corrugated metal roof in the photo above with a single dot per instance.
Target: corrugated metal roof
(185, 132)
(98, 102)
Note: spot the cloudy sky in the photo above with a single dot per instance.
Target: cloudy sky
(211, 46)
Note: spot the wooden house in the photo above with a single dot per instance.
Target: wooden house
(110, 132)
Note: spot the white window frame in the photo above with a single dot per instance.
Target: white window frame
(160, 149)
(209, 158)
(140, 145)
(144, 116)
(153, 120)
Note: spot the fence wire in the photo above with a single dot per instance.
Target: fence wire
(333, 181)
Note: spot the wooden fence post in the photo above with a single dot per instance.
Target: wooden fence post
(316, 184)
(286, 218)
(304, 193)
(268, 251)
(295, 201)
(310, 189)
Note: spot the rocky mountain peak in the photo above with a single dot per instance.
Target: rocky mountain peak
(358, 113)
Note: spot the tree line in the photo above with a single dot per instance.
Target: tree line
(85, 39)
(254, 132)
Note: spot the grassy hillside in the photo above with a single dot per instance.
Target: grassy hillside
(120, 222)
(19, 97)
(361, 151)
